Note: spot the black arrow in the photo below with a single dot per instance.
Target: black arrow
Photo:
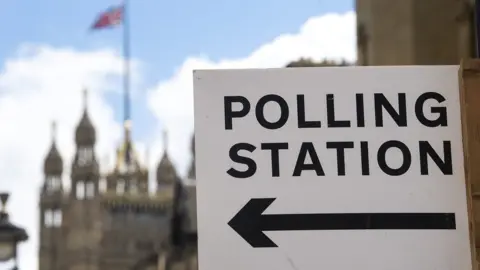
(250, 224)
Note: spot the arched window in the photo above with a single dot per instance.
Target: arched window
(102, 185)
(53, 183)
(80, 190)
(120, 186)
(52, 218)
(57, 218)
(85, 156)
(48, 218)
(89, 190)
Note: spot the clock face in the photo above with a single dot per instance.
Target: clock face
(6, 251)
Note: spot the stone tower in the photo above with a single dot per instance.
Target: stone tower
(412, 32)
(51, 204)
(81, 231)
(112, 221)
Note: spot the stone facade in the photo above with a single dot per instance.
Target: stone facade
(113, 221)
(412, 32)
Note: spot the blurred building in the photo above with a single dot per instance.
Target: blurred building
(414, 32)
(112, 221)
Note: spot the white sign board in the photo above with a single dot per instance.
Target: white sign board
(330, 168)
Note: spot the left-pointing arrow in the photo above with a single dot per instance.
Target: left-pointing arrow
(250, 222)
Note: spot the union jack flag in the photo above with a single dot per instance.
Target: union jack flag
(109, 18)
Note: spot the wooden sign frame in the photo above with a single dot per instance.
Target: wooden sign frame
(469, 87)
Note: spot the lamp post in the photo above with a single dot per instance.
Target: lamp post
(10, 235)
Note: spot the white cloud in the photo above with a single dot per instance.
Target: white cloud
(329, 36)
(41, 84)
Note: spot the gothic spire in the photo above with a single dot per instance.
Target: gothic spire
(85, 132)
(166, 172)
(53, 160)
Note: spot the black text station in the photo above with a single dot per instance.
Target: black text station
(307, 154)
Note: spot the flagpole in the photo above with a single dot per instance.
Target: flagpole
(126, 59)
(126, 82)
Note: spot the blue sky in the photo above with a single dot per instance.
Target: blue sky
(164, 32)
(169, 40)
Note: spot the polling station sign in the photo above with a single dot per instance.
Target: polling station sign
(330, 168)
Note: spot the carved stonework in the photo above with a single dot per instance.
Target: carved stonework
(97, 228)
(362, 43)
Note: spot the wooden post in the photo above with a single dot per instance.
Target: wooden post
(469, 80)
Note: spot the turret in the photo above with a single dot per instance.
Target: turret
(128, 176)
(83, 209)
(51, 206)
(166, 174)
(85, 171)
(53, 167)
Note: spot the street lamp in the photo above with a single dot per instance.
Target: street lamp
(10, 235)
